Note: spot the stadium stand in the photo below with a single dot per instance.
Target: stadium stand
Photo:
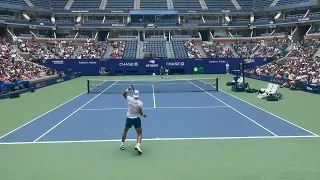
(41, 4)
(119, 4)
(305, 48)
(14, 75)
(92, 50)
(6, 51)
(58, 4)
(186, 4)
(285, 2)
(130, 50)
(118, 49)
(193, 51)
(62, 49)
(221, 4)
(16, 2)
(245, 4)
(179, 49)
(84, 4)
(244, 49)
(156, 46)
(153, 4)
(299, 71)
(274, 48)
(215, 50)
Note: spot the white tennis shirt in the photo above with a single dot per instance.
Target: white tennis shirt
(133, 107)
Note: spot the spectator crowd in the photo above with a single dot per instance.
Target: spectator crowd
(274, 48)
(92, 50)
(306, 48)
(193, 51)
(118, 49)
(217, 50)
(296, 70)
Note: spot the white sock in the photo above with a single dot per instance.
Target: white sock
(122, 144)
(138, 144)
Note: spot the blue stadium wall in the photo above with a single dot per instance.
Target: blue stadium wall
(92, 67)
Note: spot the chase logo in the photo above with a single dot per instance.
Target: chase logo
(129, 64)
(152, 64)
(175, 64)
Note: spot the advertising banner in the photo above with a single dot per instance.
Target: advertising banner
(148, 66)
(198, 70)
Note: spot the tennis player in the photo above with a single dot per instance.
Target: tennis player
(133, 119)
(161, 71)
(166, 72)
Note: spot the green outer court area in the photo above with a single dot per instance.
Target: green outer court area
(220, 159)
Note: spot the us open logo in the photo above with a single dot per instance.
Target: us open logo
(152, 64)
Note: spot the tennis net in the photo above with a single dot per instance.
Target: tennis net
(146, 86)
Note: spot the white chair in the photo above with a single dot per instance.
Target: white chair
(240, 80)
(272, 88)
(269, 88)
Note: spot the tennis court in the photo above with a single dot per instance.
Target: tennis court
(178, 111)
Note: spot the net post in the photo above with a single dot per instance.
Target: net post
(88, 85)
(217, 84)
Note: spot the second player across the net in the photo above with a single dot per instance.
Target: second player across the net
(161, 86)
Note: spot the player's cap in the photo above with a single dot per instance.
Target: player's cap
(136, 94)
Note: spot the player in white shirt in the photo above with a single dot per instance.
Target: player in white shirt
(133, 119)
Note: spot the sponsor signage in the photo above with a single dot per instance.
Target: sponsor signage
(92, 67)
(152, 64)
(303, 19)
(48, 82)
(87, 62)
(40, 85)
(57, 62)
(217, 61)
(129, 64)
(175, 64)
(118, 25)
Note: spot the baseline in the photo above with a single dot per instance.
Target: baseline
(160, 139)
(153, 108)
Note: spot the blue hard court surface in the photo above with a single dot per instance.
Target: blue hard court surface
(184, 115)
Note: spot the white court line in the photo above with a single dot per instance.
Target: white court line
(159, 139)
(147, 80)
(269, 112)
(153, 82)
(154, 97)
(235, 109)
(74, 112)
(196, 107)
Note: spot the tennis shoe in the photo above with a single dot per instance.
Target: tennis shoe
(137, 148)
(122, 146)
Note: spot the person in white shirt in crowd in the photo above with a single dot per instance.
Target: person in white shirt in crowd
(227, 68)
